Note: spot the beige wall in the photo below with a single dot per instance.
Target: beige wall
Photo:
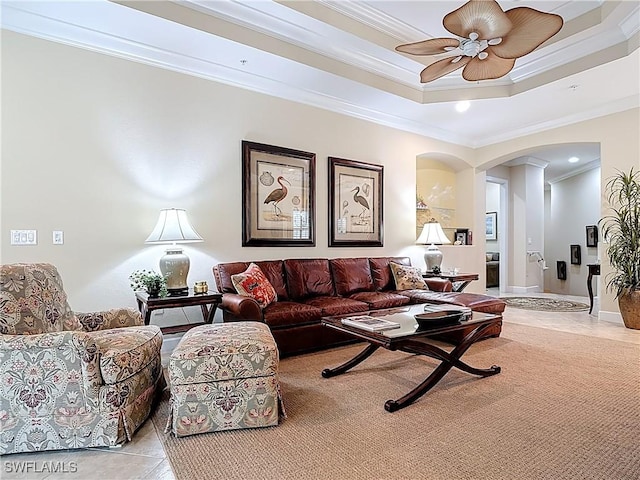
(96, 146)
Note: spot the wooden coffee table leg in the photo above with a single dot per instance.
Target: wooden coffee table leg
(449, 360)
(363, 355)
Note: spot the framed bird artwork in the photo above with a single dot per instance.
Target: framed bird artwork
(278, 196)
(355, 204)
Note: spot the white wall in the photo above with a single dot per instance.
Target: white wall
(574, 203)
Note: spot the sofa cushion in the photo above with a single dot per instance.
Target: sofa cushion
(272, 269)
(377, 300)
(308, 277)
(253, 283)
(287, 314)
(351, 275)
(381, 273)
(407, 277)
(337, 305)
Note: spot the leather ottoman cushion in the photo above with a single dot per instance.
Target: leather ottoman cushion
(475, 301)
(378, 300)
(286, 314)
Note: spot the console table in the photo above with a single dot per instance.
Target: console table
(459, 280)
(594, 269)
(208, 303)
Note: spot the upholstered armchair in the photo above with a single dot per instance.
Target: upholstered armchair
(70, 380)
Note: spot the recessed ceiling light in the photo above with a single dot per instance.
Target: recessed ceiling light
(574, 160)
(462, 106)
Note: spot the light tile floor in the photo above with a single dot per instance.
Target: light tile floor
(144, 457)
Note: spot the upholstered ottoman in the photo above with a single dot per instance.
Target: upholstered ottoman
(223, 377)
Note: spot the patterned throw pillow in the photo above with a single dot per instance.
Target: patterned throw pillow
(253, 283)
(407, 278)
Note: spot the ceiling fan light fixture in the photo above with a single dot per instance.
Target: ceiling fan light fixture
(489, 34)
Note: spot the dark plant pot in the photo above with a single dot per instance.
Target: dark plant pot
(629, 304)
(153, 293)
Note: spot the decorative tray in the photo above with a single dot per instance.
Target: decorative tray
(438, 315)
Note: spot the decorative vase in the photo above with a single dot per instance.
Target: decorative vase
(629, 303)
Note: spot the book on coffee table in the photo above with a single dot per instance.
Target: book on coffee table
(371, 324)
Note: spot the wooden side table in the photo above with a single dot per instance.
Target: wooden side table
(594, 269)
(208, 303)
(459, 280)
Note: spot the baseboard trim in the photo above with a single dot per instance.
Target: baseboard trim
(612, 317)
(525, 290)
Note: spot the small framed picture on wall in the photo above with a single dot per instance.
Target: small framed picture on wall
(462, 236)
(561, 269)
(576, 258)
(592, 236)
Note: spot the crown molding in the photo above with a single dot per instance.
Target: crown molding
(577, 171)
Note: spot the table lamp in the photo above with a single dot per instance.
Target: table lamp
(432, 233)
(173, 227)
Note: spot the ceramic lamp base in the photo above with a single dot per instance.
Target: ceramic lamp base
(432, 258)
(174, 265)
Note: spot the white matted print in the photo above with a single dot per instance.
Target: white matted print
(355, 203)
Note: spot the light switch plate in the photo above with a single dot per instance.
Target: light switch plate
(58, 237)
(24, 237)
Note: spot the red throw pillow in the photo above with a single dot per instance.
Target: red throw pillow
(253, 283)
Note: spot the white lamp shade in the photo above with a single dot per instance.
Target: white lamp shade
(432, 233)
(173, 227)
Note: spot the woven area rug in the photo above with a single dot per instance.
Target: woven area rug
(564, 407)
(545, 304)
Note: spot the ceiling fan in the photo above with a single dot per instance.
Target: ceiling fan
(490, 40)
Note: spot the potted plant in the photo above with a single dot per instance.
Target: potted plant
(621, 230)
(154, 283)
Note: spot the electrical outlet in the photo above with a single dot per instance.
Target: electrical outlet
(58, 237)
(24, 237)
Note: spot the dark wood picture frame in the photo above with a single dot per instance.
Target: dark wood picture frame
(278, 196)
(355, 203)
(462, 235)
(576, 257)
(561, 269)
(592, 235)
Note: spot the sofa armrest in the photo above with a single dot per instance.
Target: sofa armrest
(241, 307)
(114, 318)
(54, 356)
(439, 284)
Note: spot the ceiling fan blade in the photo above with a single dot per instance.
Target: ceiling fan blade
(487, 69)
(442, 67)
(433, 46)
(531, 29)
(484, 17)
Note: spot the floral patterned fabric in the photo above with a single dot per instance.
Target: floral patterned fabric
(253, 283)
(407, 278)
(61, 387)
(223, 377)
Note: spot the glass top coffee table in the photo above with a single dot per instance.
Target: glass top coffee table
(415, 339)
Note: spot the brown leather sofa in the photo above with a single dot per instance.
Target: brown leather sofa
(309, 289)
